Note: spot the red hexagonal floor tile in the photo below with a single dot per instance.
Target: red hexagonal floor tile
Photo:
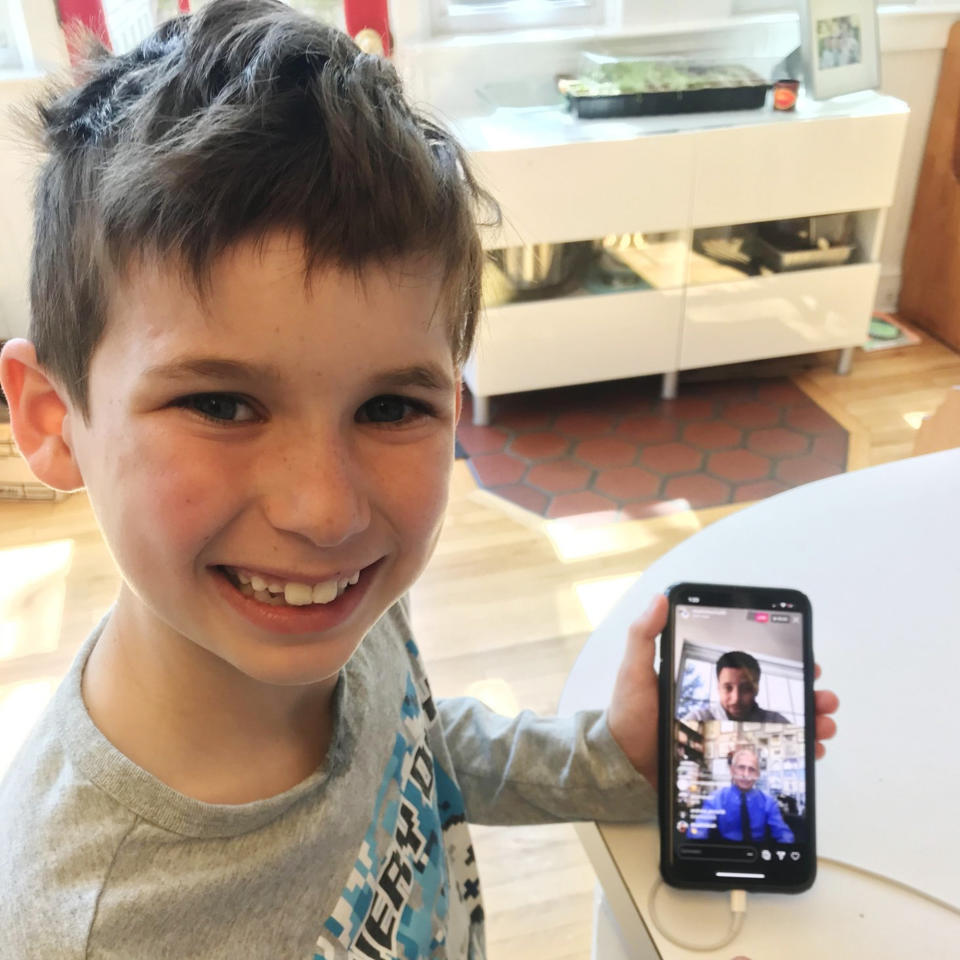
(688, 408)
(833, 447)
(496, 469)
(671, 458)
(757, 491)
(650, 507)
(811, 419)
(572, 504)
(539, 446)
(780, 393)
(647, 429)
(524, 496)
(476, 439)
(559, 476)
(603, 445)
(750, 414)
(778, 442)
(606, 452)
(524, 419)
(584, 423)
(806, 469)
(627, 483)
(712, 435)
(698, 490)
(738, 465)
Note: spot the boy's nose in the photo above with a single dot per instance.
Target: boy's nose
(317, 492)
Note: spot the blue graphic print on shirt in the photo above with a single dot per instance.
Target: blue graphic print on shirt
(398, 901)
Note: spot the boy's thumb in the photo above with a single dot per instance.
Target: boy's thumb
(641, 639)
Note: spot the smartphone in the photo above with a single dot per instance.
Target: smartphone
(737, 797)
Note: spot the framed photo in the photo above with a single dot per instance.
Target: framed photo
(841, 48)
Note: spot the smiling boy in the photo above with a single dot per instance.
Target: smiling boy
(255, 277)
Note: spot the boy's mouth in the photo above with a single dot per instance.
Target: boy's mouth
(277, 593)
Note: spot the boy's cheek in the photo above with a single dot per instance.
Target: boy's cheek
(167, 501)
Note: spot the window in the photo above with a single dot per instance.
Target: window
(330, 11)
(480, 16)
(9, 52)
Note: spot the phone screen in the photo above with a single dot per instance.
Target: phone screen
(736, 729)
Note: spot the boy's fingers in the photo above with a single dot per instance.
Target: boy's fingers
(825, 728)
(816, 671)
(825, 701)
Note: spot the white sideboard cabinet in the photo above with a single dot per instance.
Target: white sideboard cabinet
(671, 191)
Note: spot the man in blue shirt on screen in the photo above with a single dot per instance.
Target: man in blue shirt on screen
(741, 812)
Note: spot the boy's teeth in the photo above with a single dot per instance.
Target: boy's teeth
(293, 594)
(298, 594)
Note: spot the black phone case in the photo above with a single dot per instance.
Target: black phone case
(668, 870)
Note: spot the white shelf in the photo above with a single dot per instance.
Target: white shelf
(560, 179)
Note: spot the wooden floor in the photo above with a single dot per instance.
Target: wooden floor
(501, 613)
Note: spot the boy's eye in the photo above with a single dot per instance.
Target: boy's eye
(390, 409)
(223, 407)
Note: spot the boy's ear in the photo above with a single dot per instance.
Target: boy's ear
(459, 410)
(39, 416)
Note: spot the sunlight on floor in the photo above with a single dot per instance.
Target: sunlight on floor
(20, 707)
(578, 539)
(34, 580)
(916, 417)
(599, 596)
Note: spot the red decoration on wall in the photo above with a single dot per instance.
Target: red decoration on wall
(89, 13)
(183, 6)
(368, 14)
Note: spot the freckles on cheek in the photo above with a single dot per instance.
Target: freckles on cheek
(174, 505)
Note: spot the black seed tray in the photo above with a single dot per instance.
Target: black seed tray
(663, 102)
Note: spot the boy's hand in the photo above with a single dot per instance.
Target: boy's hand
(632, 714)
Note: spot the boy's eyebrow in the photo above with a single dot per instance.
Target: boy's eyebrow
(429, 376)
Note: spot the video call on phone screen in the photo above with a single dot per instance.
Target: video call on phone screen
(740, 805)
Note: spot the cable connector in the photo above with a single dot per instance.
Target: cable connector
(738, 912)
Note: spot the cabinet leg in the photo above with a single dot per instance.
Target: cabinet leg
(669, 389)
(481, 411)
(845, 361)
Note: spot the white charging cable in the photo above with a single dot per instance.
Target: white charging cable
(738, 910)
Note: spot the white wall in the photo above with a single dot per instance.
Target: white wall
(17, 166)
(42, 53)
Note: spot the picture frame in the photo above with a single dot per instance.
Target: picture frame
(841, 46)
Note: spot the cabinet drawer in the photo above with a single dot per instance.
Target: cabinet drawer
(774, 171)
(549, 343)
(580, 191)
(777, 316)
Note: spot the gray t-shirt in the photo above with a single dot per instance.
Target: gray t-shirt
(369, 857)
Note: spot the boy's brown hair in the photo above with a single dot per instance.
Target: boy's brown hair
(245, 118)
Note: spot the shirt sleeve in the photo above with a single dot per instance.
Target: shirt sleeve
(531, 769)
(778, 829)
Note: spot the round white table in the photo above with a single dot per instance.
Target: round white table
(878, 553)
